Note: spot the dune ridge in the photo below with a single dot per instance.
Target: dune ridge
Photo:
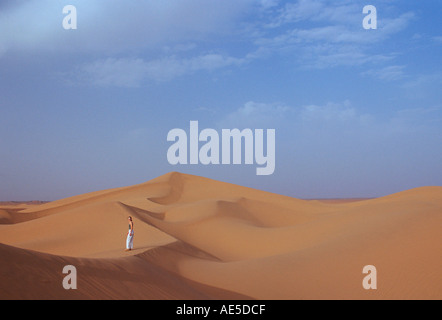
(213, 239)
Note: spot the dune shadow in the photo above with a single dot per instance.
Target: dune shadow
(142, 213)
(176, 185)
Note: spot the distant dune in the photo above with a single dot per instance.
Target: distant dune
(197, 238)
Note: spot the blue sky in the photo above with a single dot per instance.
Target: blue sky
(357, 113)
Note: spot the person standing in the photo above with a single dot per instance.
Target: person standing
(130, 235)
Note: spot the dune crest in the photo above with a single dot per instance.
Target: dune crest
(225, 240)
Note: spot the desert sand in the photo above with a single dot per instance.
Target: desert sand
(197, 238)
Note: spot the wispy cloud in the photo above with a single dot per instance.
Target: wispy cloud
(438, 39)
(311, 117)
(424, 80)
(255, 115)
(36, 25)
(333, 36)
(133, 72)
(155, 44)
(332, 114)
(390, 73)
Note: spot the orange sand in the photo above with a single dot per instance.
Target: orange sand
(197, 238)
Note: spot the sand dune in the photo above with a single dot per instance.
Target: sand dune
(197, 238)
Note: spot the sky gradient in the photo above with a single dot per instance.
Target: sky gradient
(357, 113)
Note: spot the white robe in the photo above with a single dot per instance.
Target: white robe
(130, 240)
